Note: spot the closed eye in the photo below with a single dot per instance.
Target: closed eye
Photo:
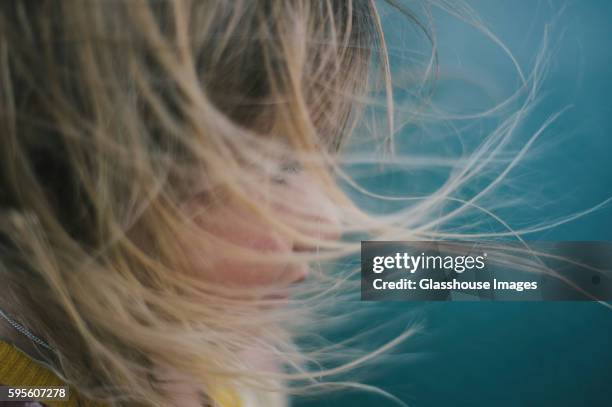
(287, 170)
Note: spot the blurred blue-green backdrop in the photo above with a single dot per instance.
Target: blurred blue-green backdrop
(523, 354)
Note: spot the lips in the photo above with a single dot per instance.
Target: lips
(276, 297)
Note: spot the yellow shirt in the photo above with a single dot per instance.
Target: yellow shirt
(17, 369)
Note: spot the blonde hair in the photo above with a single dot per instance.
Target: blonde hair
(115, 115)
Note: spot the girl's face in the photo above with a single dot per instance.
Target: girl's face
(302, 201)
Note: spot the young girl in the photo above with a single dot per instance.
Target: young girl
(170, 193)
(168, 175)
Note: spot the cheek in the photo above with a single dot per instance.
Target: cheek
(221, 266)
(232, 270)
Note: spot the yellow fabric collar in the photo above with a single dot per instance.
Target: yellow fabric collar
(19, 370)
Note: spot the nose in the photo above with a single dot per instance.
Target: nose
(316, 216)
(320, 228)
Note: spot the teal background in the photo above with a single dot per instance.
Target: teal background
(520, 354)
